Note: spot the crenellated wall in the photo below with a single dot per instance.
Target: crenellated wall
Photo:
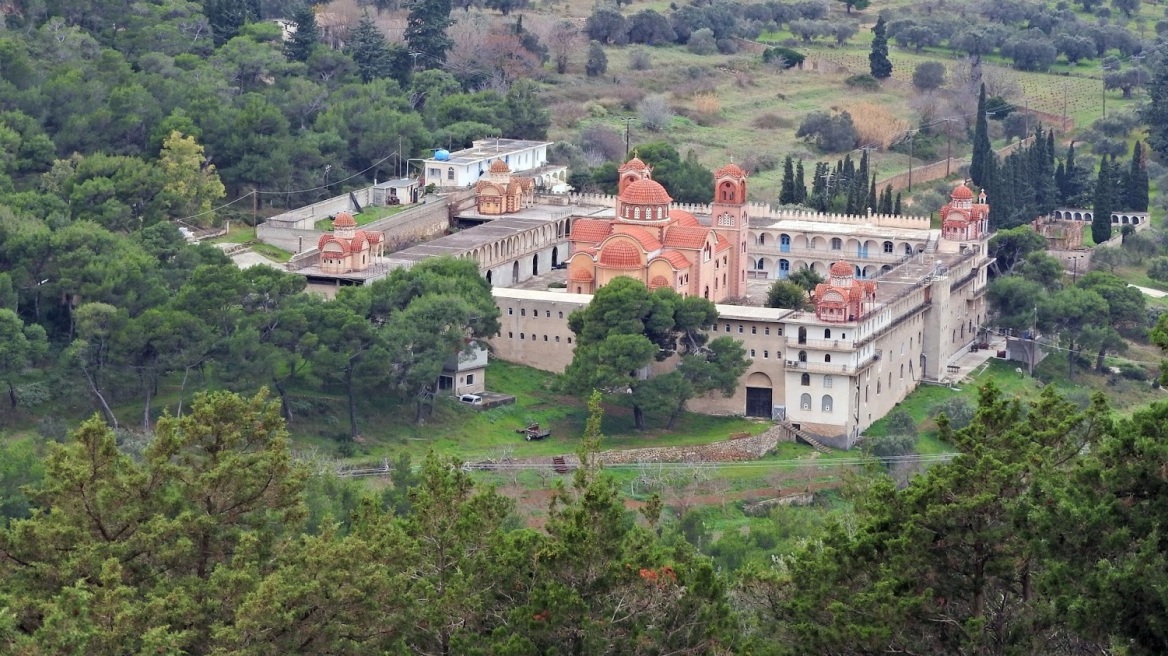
(757, 210)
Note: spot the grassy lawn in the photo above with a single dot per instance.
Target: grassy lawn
(238, 233)
(367, 216)
(455, 429)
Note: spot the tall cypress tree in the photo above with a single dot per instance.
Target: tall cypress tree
(426, 31)
(896, 206)
(787, 185)
(982, 150)
(873, 204)
(1042, 174)
(800, 184)
(1155, 111)
(886, 200)
(1136, 187)
(306, 37)
(878, 62)
(1104, 203)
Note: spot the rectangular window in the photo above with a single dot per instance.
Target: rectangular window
(754, 330)
(548, 314)
(767, 330)
(470, 379)
(510, 310)
(752, 353)
(727, 327)
(827, 381)
(766, 354)
(740, 331)
(522, 312)
(445, 382)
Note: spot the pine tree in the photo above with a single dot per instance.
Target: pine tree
(787, 185)
(305, 38)
(878, 62)
(426, 31)
(1136, 187)
(226, 17)
(982, 150)
(896, 207)
(1104, 203)
(800, 184)
(369, 51)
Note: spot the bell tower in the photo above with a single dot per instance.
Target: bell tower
(731, 221)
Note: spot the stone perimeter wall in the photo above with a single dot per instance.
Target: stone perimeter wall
(425, 220)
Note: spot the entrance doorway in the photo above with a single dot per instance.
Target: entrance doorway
(758, 402)
(535, 264)
(515, 273)
(555, 256)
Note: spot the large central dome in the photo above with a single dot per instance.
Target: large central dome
(645, 192)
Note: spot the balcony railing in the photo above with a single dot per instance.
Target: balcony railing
(794, 342)
(824, 253)
(832, 367)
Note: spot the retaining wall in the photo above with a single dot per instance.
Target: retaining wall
(419, 222)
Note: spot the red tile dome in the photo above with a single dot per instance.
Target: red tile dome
(620, 254)
(962, 193)
(645, 192)
(499, 166)
(659, 281)
(841, 269)
(580, 275)
(634, 164)
(730, 170)
(344, 220)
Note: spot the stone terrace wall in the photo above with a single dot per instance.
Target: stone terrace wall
(302, 218)
(419, 222)
(763, 210)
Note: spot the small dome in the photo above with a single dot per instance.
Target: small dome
(344, 220)
(658, 282)
(634, 164)
(499, 166)
(730, 170)
(962, 193)
(841, 269)
(580, 275)
(620, 254)
(645, 192)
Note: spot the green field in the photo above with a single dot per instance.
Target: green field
(365, 217)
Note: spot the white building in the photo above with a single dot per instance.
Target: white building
(465, 167)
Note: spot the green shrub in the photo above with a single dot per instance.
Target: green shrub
(1133, 371)
(1158, 268)
(901, 423)
(958, 410)
(785, 57)
(863, 81)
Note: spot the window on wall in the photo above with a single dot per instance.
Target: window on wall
(450, 173)
(767, 330)
(752, 353)
(827, 333)
(827, 381)
(557, 339)
(902, 372)
(888, 247)
(836, 244)
(561, 315)
(754, 330)
(522, 312)
(470, 379)
(805, 401)
(827, 357)
(805, 380)
(548, 314)
(825, 406)
(727, 327)
(740, 329)
(766, 354)
(510, 310)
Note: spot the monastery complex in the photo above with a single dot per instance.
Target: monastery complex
(900, 301)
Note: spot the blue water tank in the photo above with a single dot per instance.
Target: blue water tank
(442, 155)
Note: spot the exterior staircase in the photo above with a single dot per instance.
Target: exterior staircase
(560, 465)
(807, 437)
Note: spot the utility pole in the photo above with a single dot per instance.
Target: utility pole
(910, 157)
(628, 122)
(948, 143)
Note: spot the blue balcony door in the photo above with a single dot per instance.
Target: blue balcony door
(784, 269)
(784, 244)
(862, 250)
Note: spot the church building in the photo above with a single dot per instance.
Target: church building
(661, 246)
(347, 249)
(503, 193)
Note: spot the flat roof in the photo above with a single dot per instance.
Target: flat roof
(736, 312)
(843, 229)
(489, 149)
(398, 182)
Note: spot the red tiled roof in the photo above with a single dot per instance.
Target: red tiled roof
(679, 236)
(580, 275)
(646, 240)
(620, 254)
(483, 184)
(645, 192)
(358, 243)
(326, 240)
(962, 193)
(730, 170)
(675, 258)
(684, 219)
(634, 164)
(659, 281)
(591, 231)
(722, 244)
(344, 220)
(373, 237)
(499, 166)
(842, 269)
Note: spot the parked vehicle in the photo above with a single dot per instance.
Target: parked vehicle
(471, 399)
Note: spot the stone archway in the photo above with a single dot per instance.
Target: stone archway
(535, 264)
(555, 256)
(515, 272)
(489, 281)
